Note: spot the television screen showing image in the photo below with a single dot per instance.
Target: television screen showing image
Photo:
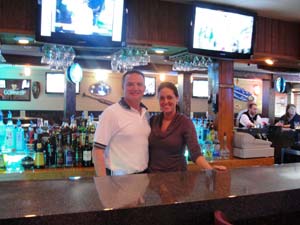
(15, 90)
(150, 86)
(55, 83)
(222, 32)
(200, 88)
(81, 22)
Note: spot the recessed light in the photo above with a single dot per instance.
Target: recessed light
(159, 50)
(23, 40)
(269, 61)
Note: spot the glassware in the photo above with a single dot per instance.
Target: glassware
(57, 56)
(188, 62)
(128, 58)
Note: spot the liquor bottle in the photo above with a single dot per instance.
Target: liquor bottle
(10, 137)
(39, 160)
(20, 140)
(225, 153)
(31, 133)
(52, 151)
(73, 128)
(87, 153)
(82, 130)
(2, 132)
(2, 163)
(59, 152)
(68, 153)
(65, 132)
(216, 143)
(78, 152)
(90, 128)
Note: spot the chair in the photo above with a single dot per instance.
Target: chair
(220, 218)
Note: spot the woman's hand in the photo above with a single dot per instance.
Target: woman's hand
(220, 168)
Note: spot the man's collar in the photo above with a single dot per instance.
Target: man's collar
(124, 104)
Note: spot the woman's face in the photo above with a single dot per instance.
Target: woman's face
(167, 100)
(292, 111)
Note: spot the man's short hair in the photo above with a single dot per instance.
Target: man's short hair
(252, 104)
(131, 72)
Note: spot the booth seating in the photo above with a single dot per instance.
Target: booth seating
(246, 146)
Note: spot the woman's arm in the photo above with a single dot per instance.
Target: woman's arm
(202, 163)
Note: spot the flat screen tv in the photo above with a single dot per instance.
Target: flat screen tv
(15, 90)
(94, 23)
(55, 83)
(222, 32)
(200, 89)
(150, 83)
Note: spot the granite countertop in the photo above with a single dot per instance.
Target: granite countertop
(22, 199)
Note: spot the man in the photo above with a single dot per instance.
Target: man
(121, 137)
(237, 122)
(250, 118)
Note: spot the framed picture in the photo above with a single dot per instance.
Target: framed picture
(15, 89)
(200, 89)
(150, 83)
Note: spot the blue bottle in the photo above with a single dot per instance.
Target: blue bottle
(10, 137)
(2, 133)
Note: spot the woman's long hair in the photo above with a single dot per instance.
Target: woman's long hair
(287, 115)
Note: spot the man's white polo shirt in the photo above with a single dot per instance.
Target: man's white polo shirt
(123, 132)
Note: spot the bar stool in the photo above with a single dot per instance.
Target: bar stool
(220, 218)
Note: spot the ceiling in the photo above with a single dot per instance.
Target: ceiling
(278, 9)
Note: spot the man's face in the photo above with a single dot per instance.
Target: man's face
(253, 110)
(134, 87)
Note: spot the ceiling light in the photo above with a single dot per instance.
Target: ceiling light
(269, 61)
(162, 77)
(27, 71)
(100, 75)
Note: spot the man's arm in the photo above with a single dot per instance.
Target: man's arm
(99, 162)
(245, 121)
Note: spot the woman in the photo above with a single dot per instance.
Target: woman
(290, 118)
(170, 133)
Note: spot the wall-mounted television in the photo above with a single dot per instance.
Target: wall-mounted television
(55, 83)
(222, 31)
(95, 23)
(200, 89)
(150, 83)
(15, 89)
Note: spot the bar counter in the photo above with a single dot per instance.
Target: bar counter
(254, 195)
(89, 172)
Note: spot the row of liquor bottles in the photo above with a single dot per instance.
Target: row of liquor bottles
(45, 146)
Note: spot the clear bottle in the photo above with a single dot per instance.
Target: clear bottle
(68, 153)
(59, 152)
(10, 137)
(20, 140)
(225, 153)
(217, 147)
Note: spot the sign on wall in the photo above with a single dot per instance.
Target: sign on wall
(15, 89)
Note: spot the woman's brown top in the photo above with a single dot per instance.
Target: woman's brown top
(167, 148)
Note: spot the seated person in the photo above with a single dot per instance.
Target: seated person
(250, 118)
(237, 122)
(290, 117)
